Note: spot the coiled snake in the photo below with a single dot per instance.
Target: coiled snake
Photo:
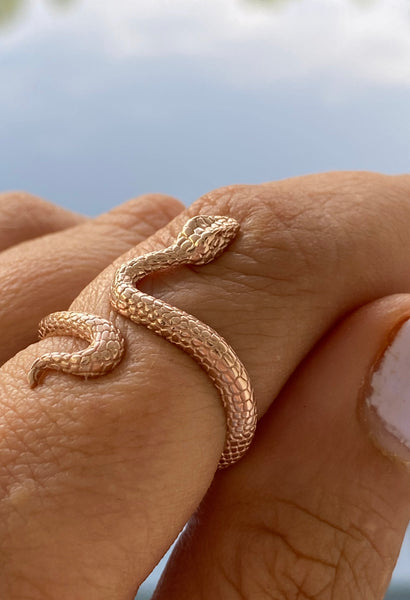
(202, 239)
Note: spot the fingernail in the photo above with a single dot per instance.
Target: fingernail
(387, 404)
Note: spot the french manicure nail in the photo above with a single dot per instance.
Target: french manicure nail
(387, 405)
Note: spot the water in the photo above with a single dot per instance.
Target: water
(101, 101)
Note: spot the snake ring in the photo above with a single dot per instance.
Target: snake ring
(202, 239)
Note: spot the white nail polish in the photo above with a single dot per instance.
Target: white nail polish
(388, 399)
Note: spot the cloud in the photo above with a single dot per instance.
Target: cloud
(244, 43)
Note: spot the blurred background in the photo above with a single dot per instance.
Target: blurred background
(102, 101)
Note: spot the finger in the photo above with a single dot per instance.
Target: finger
(315, 509)
(24, 217)
(44, 275)
(137, 450)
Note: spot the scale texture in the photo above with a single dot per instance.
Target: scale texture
(202, 239)
(104, 353)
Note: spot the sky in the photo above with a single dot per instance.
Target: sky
(102, 101)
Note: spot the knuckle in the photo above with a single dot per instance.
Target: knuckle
(144, 215)
(24, 216)
(289, 551)
(22, 205)
(303, 229)
(273, 245)
(282, 247)
(277, 560)
(17, 207)
(20, 199)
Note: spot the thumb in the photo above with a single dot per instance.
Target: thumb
(320, 505)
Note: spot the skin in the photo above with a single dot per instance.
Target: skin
(97, 478)
(61, 254)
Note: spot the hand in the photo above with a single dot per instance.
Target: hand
(98, 477)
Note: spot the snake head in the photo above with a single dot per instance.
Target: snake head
(203, 238)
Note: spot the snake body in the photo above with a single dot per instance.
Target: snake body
(105, 351)
(202, 239)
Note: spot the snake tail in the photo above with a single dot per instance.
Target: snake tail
(101, 356)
